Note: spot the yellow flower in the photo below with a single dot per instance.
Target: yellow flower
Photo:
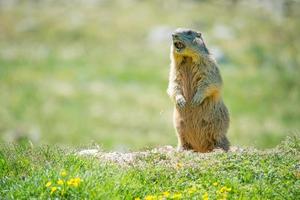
(177, 196)
(205, 196)
(60, 182)
(137, 198)
(215, 183)
(192, 190)
(63, 173)
(74, 182)
(225, 189)
(166, 194)
(149, 197)
(53, 189)
(48, 184)
(179, 165)
(78, 179)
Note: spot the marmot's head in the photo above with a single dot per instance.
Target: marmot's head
(187, 42)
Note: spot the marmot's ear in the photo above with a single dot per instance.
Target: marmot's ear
(199, 34)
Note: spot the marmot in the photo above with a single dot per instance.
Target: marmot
(201, 118)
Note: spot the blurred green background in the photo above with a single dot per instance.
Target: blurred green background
(96, 71)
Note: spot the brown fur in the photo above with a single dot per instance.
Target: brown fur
(200, 126)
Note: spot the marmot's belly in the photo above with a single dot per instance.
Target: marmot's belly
(193, 119)
(204, 123)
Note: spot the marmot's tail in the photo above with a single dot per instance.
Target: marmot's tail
(223, 143)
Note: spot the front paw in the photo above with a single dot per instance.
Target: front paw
(180, 101)
(197, 99)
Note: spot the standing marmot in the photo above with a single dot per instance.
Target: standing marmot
(200, 117)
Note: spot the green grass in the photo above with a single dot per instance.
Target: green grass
(243, 174)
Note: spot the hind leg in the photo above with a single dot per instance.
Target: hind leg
(223, 143)
(181, 130)
(183, 145)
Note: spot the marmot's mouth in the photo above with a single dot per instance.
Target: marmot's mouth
(179, 45)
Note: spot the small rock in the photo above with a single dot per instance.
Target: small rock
(88, 152)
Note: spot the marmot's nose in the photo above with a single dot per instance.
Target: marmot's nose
(174, 35)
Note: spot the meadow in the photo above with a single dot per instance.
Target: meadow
(94, 73)
(28, 172)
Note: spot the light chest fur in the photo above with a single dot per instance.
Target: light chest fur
(188, 75)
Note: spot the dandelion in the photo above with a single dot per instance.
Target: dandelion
(192, 190)
(63, 173)
(166, 194)
(70, 182)
(48, 184)
(225, 189)
(77, 181)
(215, 184)
(60, 182)
(177, 196)
(149, 197)
(205, 196)
(74, 182)
(179, 165)
(53, 189)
